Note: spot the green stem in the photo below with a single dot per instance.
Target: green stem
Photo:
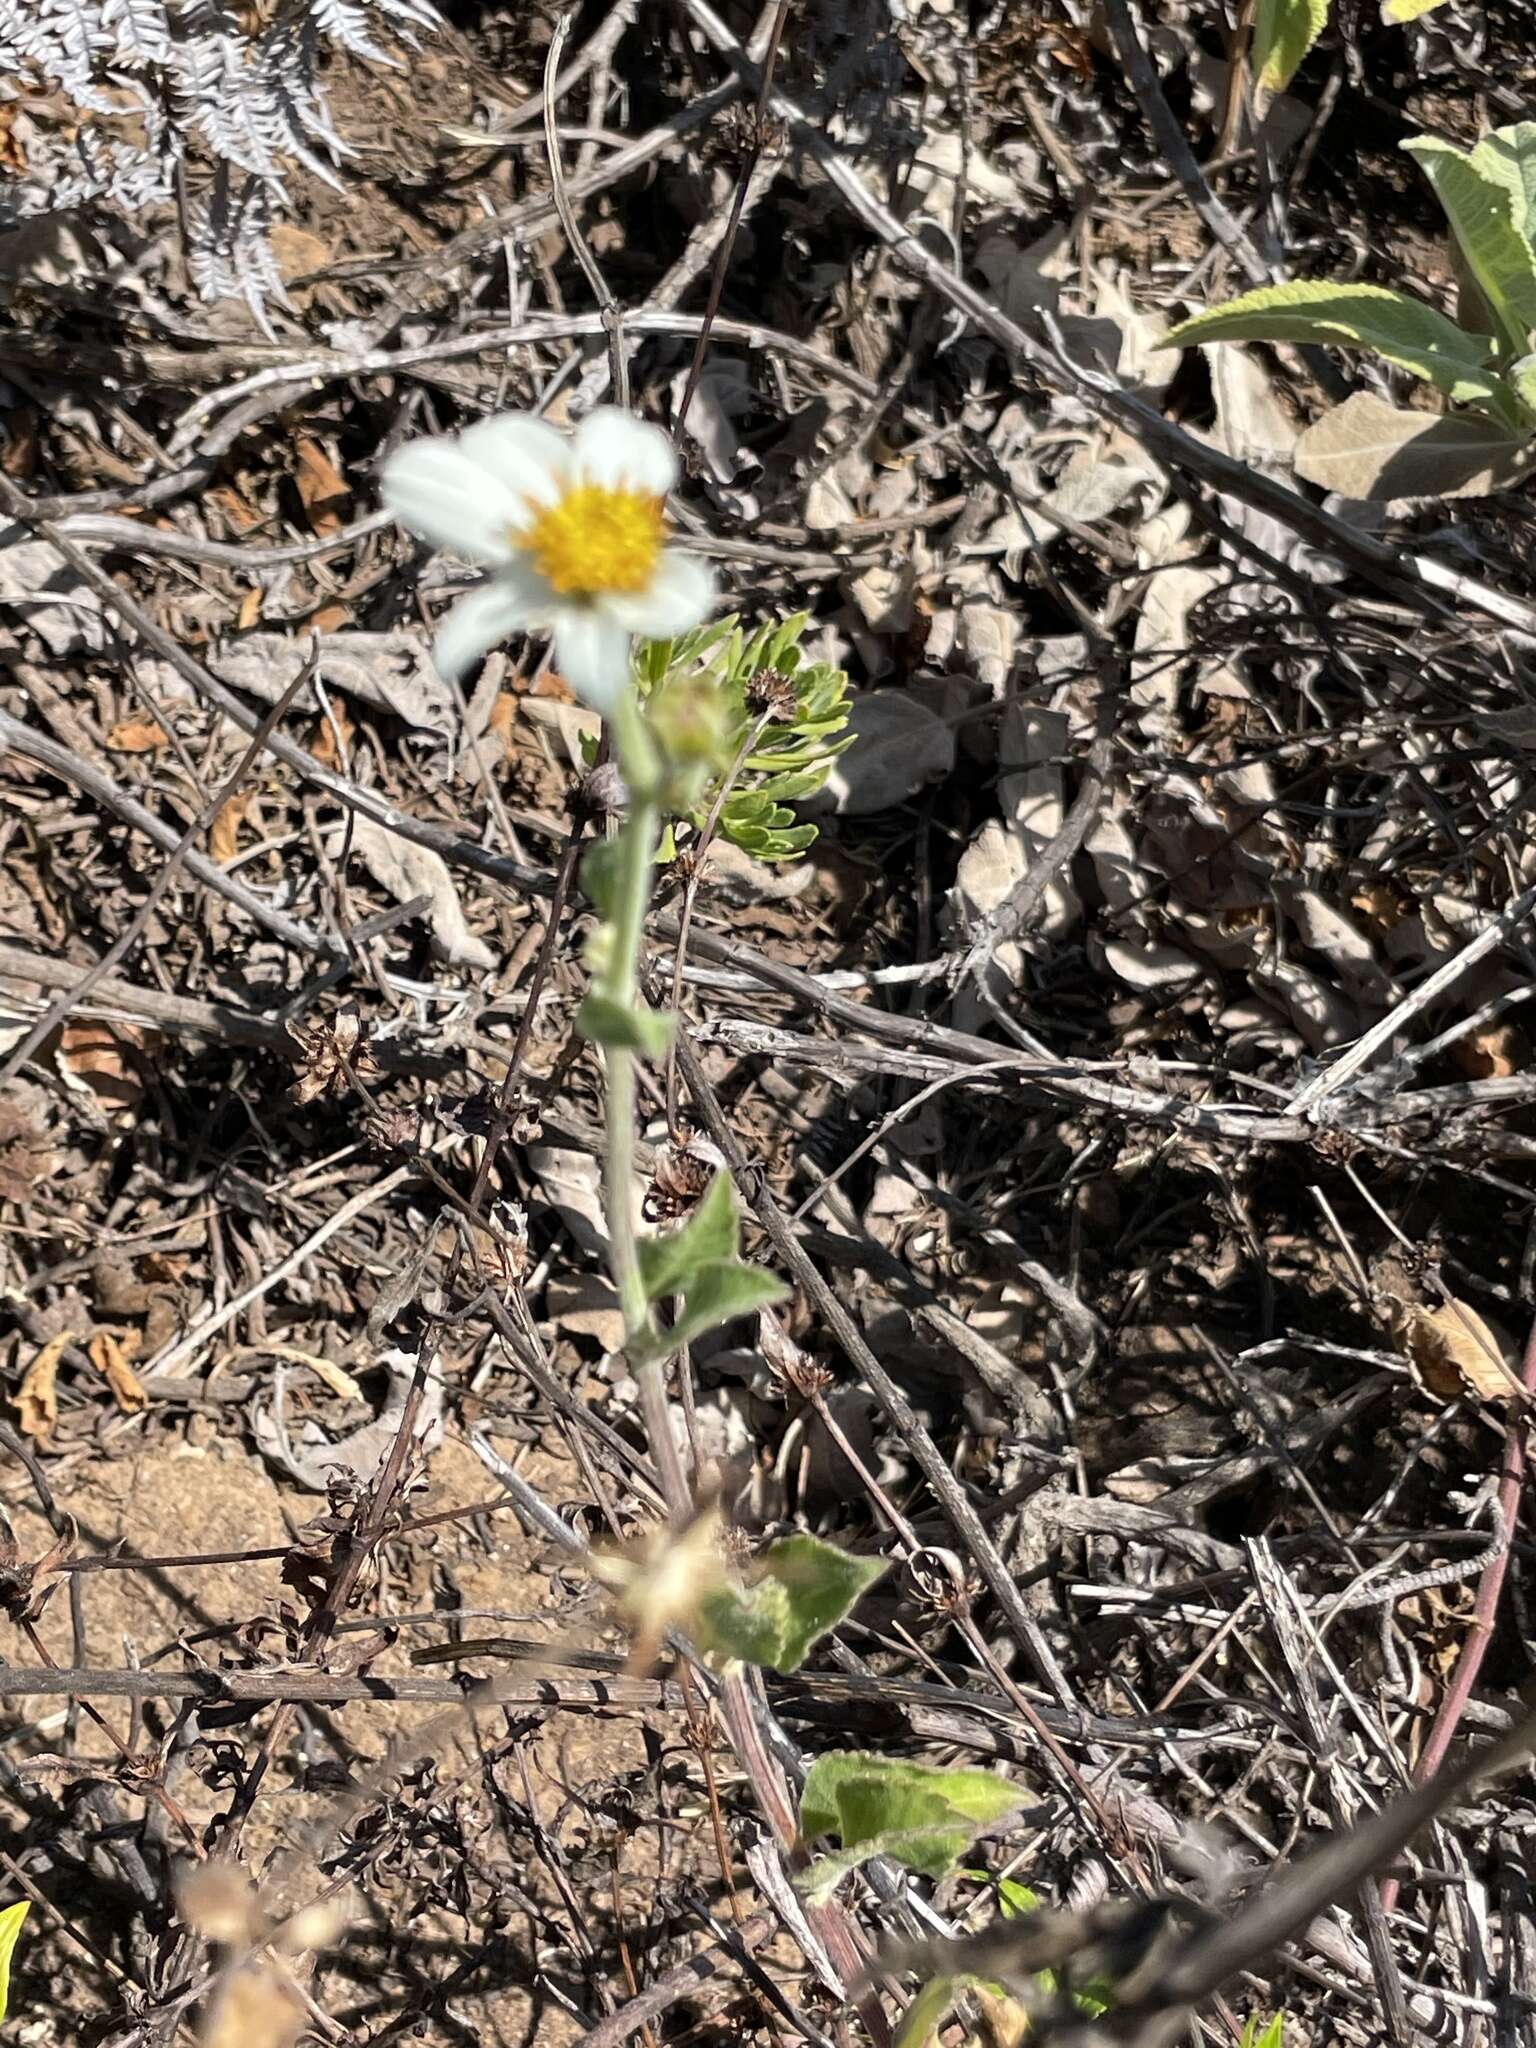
(621, 984)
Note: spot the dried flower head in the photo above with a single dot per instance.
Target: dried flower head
(771, 693)
(681, 1174)
(328, 1050)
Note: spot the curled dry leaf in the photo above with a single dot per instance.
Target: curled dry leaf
(1455, 1356)
(408, 871)
(391, 671)
(98, 1056)
(109, 1360)
(37, 1396)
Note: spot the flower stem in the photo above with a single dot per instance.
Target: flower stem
(637, 758)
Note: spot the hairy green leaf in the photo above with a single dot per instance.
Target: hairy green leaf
(1366, 448)
(1479, 197)
(800, 1589)
(1283, 32)
(712, 1232)
(602, 874)
(701, 1262)
(919, 1815)
(718, 1294)
(626, 1027)
(1367, 316)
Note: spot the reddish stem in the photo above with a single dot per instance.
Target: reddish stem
(1485, 1609)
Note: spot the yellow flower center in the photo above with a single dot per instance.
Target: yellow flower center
(595, 539)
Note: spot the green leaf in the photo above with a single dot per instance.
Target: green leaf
(629, 1027)
(1508, 157)
(1479, 199)
(928, 2011)
(1283, 32)
(720, 1293)
(712, 1232)
(802, 1588)
(602, 874)
(922, 1817)
(10, 1928)
(1393, 11)
(1366, 316)
(701, 1262)
(1258, 2034)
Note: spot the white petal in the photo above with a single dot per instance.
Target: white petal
(522, 452)
(476, 623)
(614, 448)
(592, 653)
(678, 596)
(445, 496)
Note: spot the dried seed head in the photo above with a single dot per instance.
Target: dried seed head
(316, 1926)
(399, 1130)
(939, 1579)
(27, 1584)
(772, 691)
(603, 794)
(332, 1055)
(794, 1371)
(684, 864)
(681, 1175)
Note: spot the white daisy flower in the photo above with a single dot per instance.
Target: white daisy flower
(575, 530)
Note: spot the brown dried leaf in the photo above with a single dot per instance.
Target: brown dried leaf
(238, 509)
(19, 458)
(1455, 1356)
(37, 1397)
(13, 157)
(109, 1360)
(323, 746)
(297, 251)
(28, 1154)
(137, 736)
(224, 836)
(98, 1054)
(1492, 1054)
(322, 488)
(250, 609)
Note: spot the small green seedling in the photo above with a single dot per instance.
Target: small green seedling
(1284, 31)
(1483, 362)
